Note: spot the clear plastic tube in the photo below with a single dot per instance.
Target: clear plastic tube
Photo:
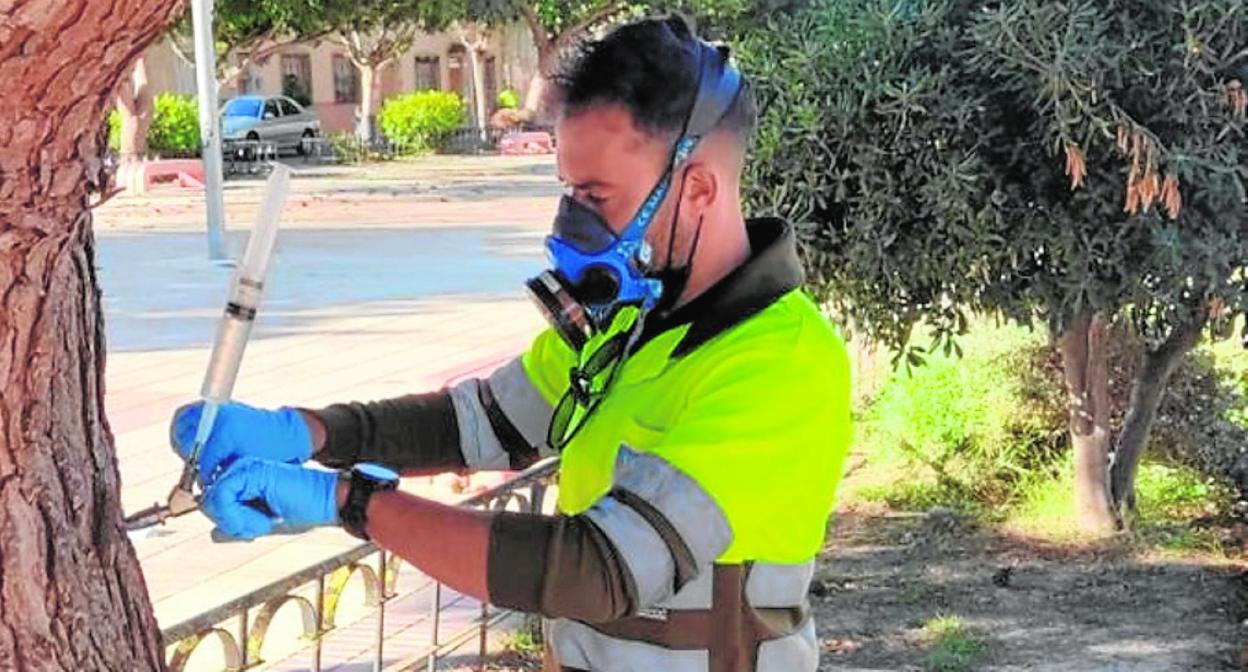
(246, 292)
(241, 308)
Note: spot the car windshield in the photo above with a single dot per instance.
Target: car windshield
(243, 107)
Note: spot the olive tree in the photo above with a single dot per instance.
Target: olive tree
(1073, 165)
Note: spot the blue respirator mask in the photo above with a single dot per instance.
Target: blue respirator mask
(597, 271)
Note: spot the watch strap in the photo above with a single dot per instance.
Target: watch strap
(360, 490)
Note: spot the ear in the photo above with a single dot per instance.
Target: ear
(701, 188)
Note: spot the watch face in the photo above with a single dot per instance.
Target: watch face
(375, 472)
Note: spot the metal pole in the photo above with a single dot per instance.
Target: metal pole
(320, 622)
(242, 639)
(437, 623)
(381, 612)
(209, 127)
(484, 648)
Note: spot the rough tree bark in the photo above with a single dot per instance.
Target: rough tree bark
(134, 106)
(1085, 365)
(72, 596)
(1147, 389)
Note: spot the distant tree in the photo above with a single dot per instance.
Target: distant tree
(375, 33)
(1072, 164)
(556, 25)
(249, 31)
(134, 107)
(244, 32)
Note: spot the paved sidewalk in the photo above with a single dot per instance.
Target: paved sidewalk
(373, 295)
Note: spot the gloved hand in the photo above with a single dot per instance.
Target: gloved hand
(241, 430)
(297, 497)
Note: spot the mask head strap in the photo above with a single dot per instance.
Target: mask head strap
(719, 85)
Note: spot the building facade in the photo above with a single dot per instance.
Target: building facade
(322, 75)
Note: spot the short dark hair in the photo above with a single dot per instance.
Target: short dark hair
(650, 67)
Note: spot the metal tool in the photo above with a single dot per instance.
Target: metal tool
(227, 351)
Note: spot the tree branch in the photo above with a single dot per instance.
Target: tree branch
(569, 34)
(1147, 389)
(277, 46)
(541, 37)
(177, 50)
(224, 75)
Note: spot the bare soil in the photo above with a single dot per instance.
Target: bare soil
(1035, 607)
(1107, 608)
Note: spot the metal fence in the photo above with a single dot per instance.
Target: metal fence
(248, 157)
(475, 140)
(470, 140)
(240, 625)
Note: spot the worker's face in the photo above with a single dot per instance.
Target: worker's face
(610, 166)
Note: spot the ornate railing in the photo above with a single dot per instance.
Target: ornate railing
(240, 625)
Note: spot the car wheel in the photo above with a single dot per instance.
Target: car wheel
(253, 152)
(303, 146)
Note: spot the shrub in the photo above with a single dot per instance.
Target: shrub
(294, 88)
(174, 128)
(415, 121)
(114, 130)
(175, 125)
(508, 99)
(971, 423)
(348, 148)
(988, 428)
(1202, 422)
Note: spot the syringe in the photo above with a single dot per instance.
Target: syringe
(233, 333)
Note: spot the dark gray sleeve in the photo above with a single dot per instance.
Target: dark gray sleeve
(417, 432)
(636, 547)
(559, 567)
(498, 422)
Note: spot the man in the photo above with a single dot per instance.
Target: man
(699, 400)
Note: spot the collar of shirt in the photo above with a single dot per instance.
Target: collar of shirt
(773, 270)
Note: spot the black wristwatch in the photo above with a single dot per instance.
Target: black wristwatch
(363, 481)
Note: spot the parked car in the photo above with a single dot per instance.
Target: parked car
(275, 119)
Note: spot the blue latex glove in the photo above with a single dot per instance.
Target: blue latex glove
(297, 497)
(241, 431)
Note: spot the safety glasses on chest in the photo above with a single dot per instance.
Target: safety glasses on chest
(587, 385)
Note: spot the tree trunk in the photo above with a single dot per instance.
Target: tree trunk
(1085, 364)
(134, 105)
(478, 90)
(370, 88)
(538, 97)
(1147, 389)
(550, 47)
(72, 596)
